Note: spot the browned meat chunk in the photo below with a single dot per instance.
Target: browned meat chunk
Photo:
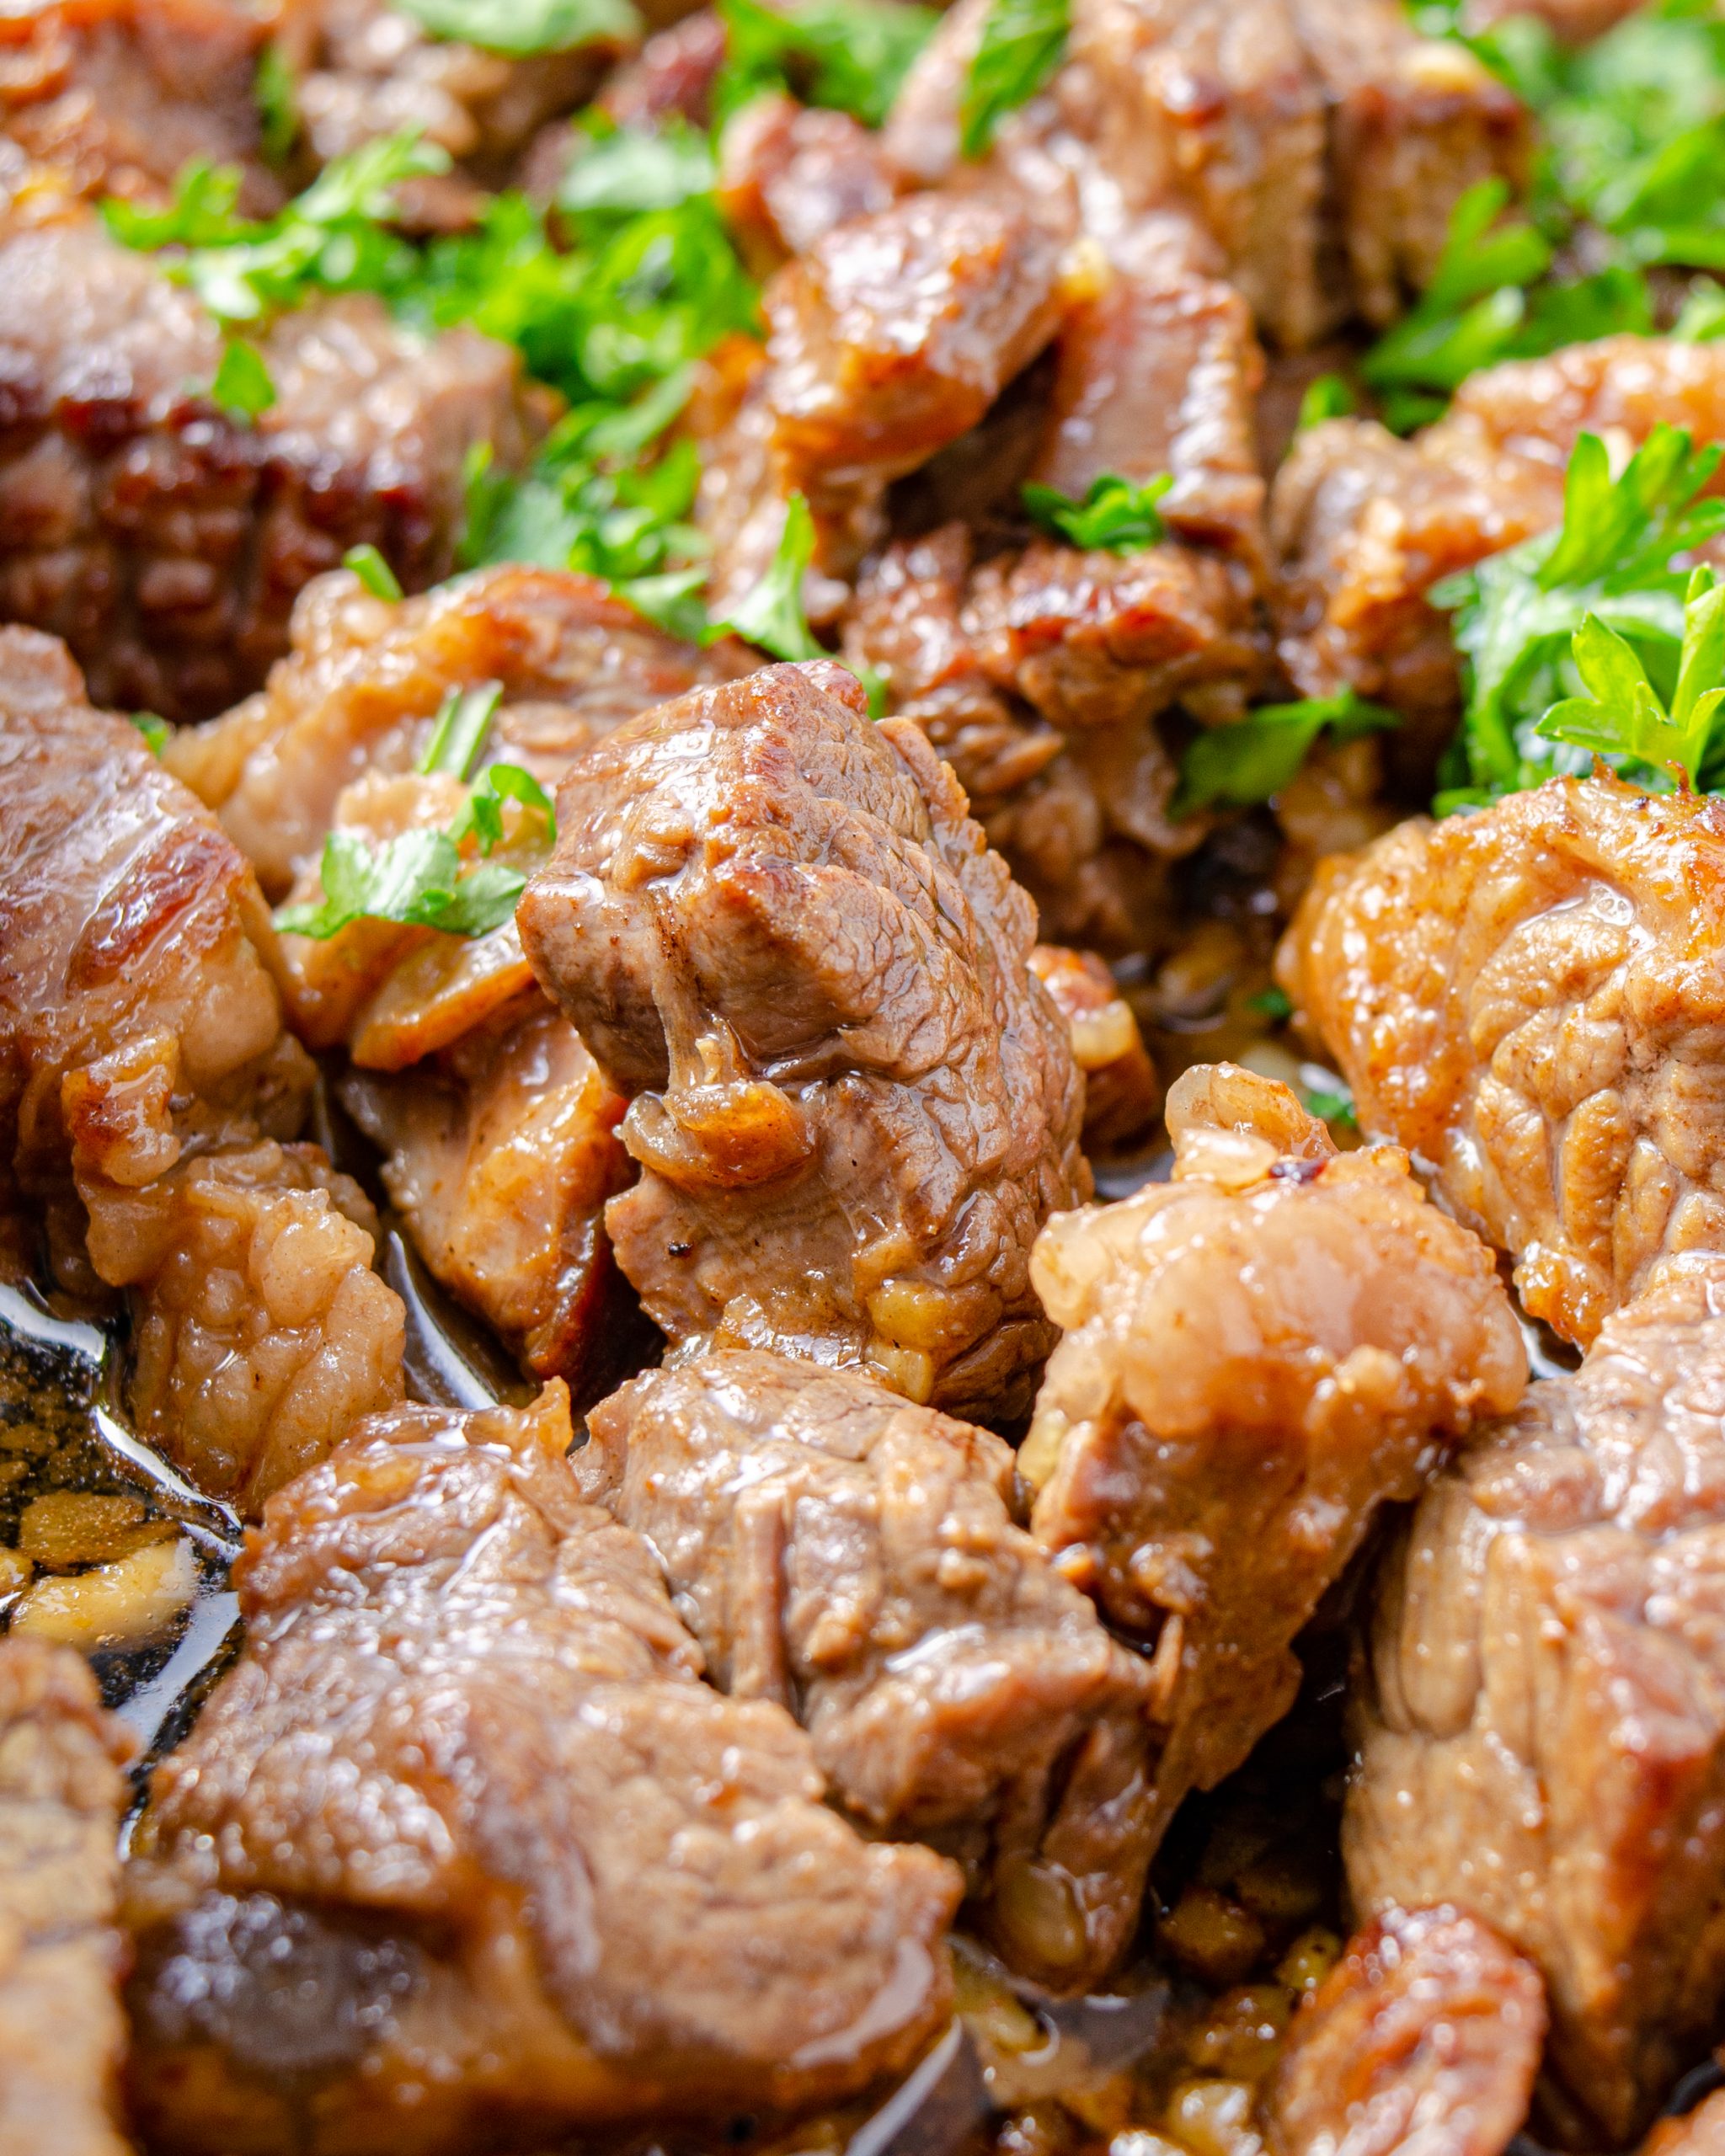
(1321, 143)
(1121, 1096)
(1362, 526)
(465, 1819)
(788, 176)
(1258, 1354)
(1528, 999)
(1426, 2034)
(145, 1081)
(774, 925)
(499, 1130)
(889, 340)
(166, 543)
(1159, 370)
(61, 1793)
(1699, 2132)
(672, 76)
(362, 684)
(854, 1557)
(119, 95)
(1543, 1731)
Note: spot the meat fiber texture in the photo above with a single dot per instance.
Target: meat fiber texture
(165, 541)
(1529, 999)
(772, 922)
(1321, 144)
(62, 2039)
(145, 1085)
(854, 1557)
(499, 1131)
(1257, 1355)
(1541, 1719)
(466, 1791)
(1362, 524)
(1425, 2036)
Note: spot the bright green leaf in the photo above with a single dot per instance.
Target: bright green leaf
(1255, 758)
(1023, 43)
(1326, 398)
(369, 566)
(1116, 514)
(463, 719)
(243, 387)
(523, 27)
(771, 616)
(156, 731)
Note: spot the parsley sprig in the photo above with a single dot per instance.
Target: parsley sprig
(1254, 758)
(520, 28)
(1119, 515)
(1615, 558)
(1624, 716)
(1023, 43)
(849, 55)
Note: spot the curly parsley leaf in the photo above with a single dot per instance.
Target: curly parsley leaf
(1117, 515)
(850, 55)
(483, 813)
(1623, 715)
(1516, 614)
(1253, 759)
(1023, 43)
(770, 617)
(520, 28)
(243, 387)
(369, 566)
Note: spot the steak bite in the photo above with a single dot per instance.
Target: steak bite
(463, 1851)
(166, 541)
(145, 1085)
(63, 2040)
(120, 96)
(1258, 1354)
(1542, 1721)
(854, 1558)
(789, 174)
(1530, 1000)
(1425, 2036)
(776, 929)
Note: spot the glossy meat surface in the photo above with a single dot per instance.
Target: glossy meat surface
(1425, 2036)
(775, 926)
(1257, 1355)
(145, 1081)
(166, 543)
(61, 1793)
(854, 1558)
(1530, 1000)
(789, 174)
(1543, 1731)
(467, 1769)
(1122, 1095)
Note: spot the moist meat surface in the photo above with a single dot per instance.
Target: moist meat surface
(165, 541)
(1543, 1732)
(145, 1082)
(467, 1770)
(854, 1557)
(1425, 2036)
(1528, 1000)
(775, 926)
(1258, 1355)
(62, 2039)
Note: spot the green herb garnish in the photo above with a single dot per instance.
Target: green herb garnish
(1023, 42)
(1253, 759)
(771, 616)
(1624, 717)
(1517, 613)
(521, 27)
(1272, 1002)
(1326, 398)
(1117, 515)
(459, 730)
(276, 92)
(850, 55)
(155, 730)
(243, 387)
(369, 566)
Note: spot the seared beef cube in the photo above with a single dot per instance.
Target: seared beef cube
(1121, 1095)
(1362, 526)
(120, 96)
(1543, 1731)
(361, 688)
(167, 542)
(145, 1082)
(465, 1819)
(62, 1794)
(889, 340)
(854, 1558)
(499, 1131)
(1159, 370)
(1528, 1000)
(1699, 2132)
(787, 175)
(1257, 1356)
(1425, 2036)
(774, 925)
(672, 77)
